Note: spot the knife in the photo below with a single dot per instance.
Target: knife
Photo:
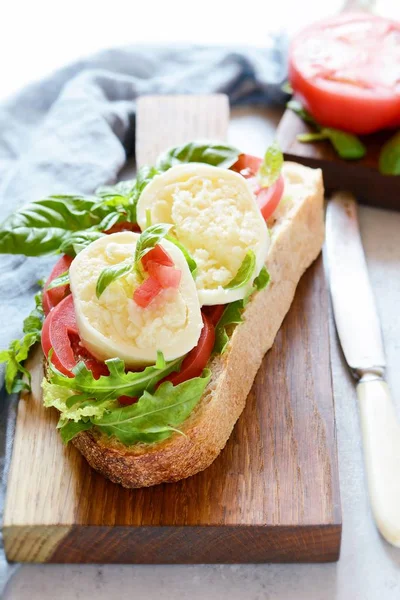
(359, 331)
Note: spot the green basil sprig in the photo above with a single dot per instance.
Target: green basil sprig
(217, 155)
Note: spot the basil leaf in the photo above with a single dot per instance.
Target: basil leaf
(110, 274)
(18, 350)
(156, 416)
(40, 227)
(244, 273)
(347, 146)
(78, 241)
(148, 217)
(143, 177)
(218, 155)
(118, 194)
(192, 264)
(59, 281)
(232, 315)
(149, 238)
(389, 158)
(117, 383)
(271, 166)
(262, 280)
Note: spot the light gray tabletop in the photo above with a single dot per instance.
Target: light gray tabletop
(369, 569)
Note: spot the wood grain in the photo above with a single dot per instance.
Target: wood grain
(271, 495)
(362, 177)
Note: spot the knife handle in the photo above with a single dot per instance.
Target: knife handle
(381, 440)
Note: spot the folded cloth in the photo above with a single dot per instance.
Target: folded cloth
(73, 132)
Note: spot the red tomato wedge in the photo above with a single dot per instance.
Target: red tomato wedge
(194, 362)
(346, 72)
(53, 297)
(60, 333)
(268, 198)
(158, 255)
(213, 313)
(167, 277)
(146, 292)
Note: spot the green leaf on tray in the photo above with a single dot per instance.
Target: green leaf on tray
(244, 273)
(389, 158)
(156, 416)
(218, 155)
(347, 145)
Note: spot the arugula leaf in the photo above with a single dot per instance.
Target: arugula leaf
(192, 264)
(271, 166)
(154, 417)
(262, 280)
(69, 429)
(218, 155)
(149, 238)
(59, 281)
(110, 274)
(160, 362)
(118, 383)
(18, 350)
(389, 158)
(73, 406)
(232, 315)
(244, 273)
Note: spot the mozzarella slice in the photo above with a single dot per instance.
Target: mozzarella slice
(215, 215)
(114, 325)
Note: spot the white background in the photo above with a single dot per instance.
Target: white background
(37, 37)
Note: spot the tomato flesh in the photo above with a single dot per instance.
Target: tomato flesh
(247, 165)
(162, 275)
(345, 71)
(146, 292)
(167, 277)
(54, 296)
(60, 333)
(157, 255)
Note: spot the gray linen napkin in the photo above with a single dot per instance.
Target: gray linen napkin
(73, 132)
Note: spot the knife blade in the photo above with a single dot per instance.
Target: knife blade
(358, 327)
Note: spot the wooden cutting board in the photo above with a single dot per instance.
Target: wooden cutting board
(362, 177)
(271, 495)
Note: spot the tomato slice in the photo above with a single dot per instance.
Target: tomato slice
(167, 277)
(124, 226)
(54, 296)
(60, 333)
(146, 292)
(247, 165)
(214, 313)
(345, 71)
(157, 255)
(269, 198)
(194, 362)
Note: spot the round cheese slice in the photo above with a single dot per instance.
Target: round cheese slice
(216, 217)
(114, 325)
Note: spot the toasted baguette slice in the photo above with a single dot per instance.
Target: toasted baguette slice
(297, 232)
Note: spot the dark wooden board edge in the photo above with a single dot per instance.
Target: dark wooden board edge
(360, 177)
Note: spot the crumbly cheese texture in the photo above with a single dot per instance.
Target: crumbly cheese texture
(216, 217)
(114, 325)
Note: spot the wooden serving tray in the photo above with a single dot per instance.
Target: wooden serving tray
(362, 177)
(271, 495)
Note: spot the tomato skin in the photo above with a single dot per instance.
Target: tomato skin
(195, 361)
(358, 108)
(214, 312)
(60, 333)
(269, 198)
(247, 165)
(146, 292)
(53, 297)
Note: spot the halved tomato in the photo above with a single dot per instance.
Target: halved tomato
(60, 334)
(346, 72)
(54, 296)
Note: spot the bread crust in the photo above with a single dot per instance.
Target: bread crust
(297, 235)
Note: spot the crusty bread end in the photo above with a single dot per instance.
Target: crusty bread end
(297, 232)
